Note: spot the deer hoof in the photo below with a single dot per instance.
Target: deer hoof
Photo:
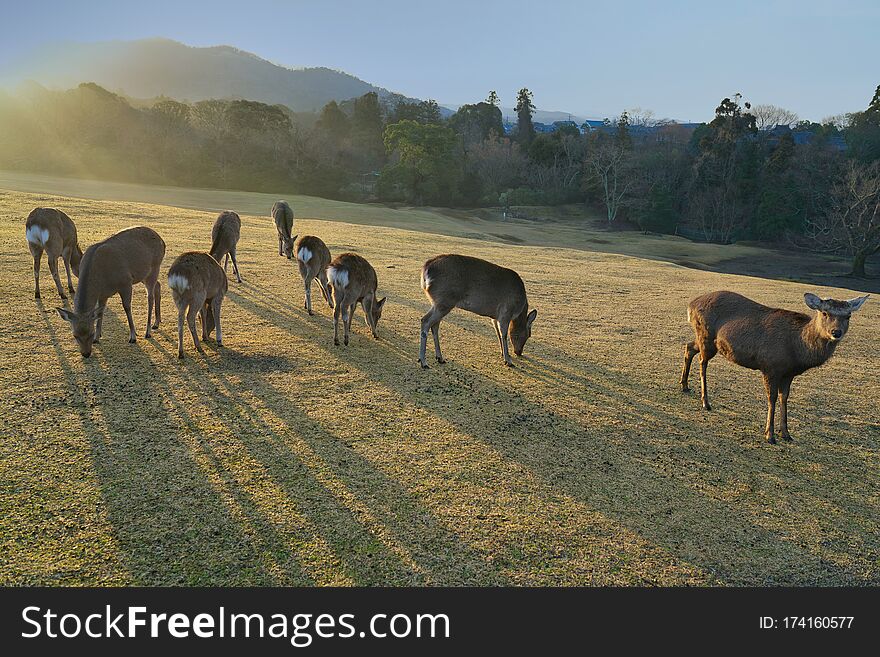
(132, 340)
(787, 438)
(336, 342)
(36, 295)
(180, 354)
(345, 341)
(441, 360)
(311, 314)
(219, 344)
(706, 406)
(424, 365)
(771, 439)
(509, 363)
(155, 326)
(684, 388)
(147, 335)
(63, 296)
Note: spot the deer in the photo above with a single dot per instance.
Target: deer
(224, 240)
(52, 231)
(481, 287)
(313, 258)
(198, 285)
(282, 214)
(352, 281)
(781, 344)
(110, 267)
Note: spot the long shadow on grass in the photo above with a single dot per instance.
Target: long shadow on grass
(168, 520)
(378, 531)
(597, 468)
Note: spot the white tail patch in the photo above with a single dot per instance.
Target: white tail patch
(426, 281)
(304, 255)
(178, 283)
(338, 277)
(37, 235)
(689, 313)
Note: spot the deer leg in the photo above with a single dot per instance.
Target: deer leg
(226, 264)
(53, 267)
(215, 306)
(504, 327)
(784, 389)
(325, 288)
(498, 334)
(235, 265)
(280, 251)
(99, 325)
(125, 296)
(690, 350)
(308, 285)
(195, 307)
(157, 295)
(705, 356)
(772, 388)
(38, 254)
(336, 313)
(181, 311)
(431, 320)
(66, 257)
(151, 301)
(347, 317)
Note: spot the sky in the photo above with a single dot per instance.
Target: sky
(676, 58)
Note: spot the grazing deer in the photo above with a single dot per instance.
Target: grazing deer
(352, 280)
(282, 214)
(224, 240)
(198, 284)
(111, 267)
(456, 281)
(52, 231)
(313, 257)
(779, 343)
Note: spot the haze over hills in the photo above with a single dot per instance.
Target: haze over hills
(148, 68)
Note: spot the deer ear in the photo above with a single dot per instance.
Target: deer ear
(293, 239)
(66, 315)
(812, 301)
(531, 317)
(855, 304)
(381, 302)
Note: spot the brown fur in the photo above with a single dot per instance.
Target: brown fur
(224, 240)
(360, 288)
(110, 267)
(282, 215)
(198, 284)
(781, 344)
(62, 243)
(456, 281)
(315, 268)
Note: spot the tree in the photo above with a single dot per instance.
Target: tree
(424, 111)
(768, 117)
(525, 109)
(607, 162)
(498, 162)
(474, 123)
(426, 170)
(493, 99)
(334, 121)
(367, 128)
(851, 222)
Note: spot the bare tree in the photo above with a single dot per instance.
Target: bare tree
(608, 164)
(498, 161)
(851, 221)
(768, 117)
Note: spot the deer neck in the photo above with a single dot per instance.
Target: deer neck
(816, 347)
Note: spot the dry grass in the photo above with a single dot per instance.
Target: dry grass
(281, 459)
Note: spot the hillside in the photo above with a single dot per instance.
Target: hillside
(149, 68)
(281, 459)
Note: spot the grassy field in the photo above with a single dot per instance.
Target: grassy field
(281, 459)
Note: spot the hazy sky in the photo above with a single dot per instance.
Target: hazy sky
(676, 58)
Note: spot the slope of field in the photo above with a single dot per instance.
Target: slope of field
(281, 459)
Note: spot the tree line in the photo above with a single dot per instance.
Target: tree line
(753, 172)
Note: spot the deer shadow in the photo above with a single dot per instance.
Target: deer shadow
(595, 460)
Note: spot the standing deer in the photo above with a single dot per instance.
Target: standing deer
(313, 257)
(111, 267)
(52, 231)
(779, 343)
(457, 281)
(353, 280)
(224, 240)
(198, 284)
(282, 214)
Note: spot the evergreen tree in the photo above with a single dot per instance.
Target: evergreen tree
(525, 129)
